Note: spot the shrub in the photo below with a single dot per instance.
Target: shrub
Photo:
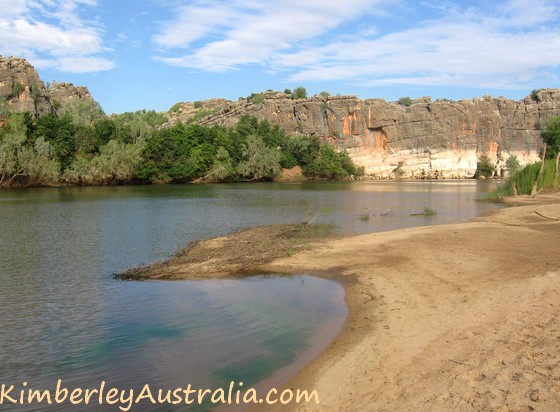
(513, 165)
(299, 93)
(484, 167)
(17, 88)
(536, 96)
(256, 98)
(175, 108)
(405, 101)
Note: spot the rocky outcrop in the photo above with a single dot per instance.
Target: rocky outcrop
(428, 139)
(65, 92)
(22, 90)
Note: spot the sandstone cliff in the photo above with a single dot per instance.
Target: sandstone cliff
(428, 139)
(22, 90)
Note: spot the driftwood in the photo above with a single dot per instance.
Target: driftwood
(534, 190)
(548, 217)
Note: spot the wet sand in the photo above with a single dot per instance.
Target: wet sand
(459, 317)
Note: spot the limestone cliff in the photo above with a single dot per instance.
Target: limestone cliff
(428, 139)
(22, 90)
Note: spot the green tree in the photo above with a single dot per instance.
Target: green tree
(59, 131)
(299, 93)
(551, 136)
(484, 167)
(137, 127)
(222, 169)
(259, 161)
(116, 163)
(513, 165)
(81, 112)
(405, 101)
(330, 164)
(24, 161)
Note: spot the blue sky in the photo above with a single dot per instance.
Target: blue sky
(150, 54)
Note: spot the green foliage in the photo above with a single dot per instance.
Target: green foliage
(24, 161)
(364, 215)
(176, 107)
(429, 212)
(222, 169)
(524, 179)
(513, 165)
(17, 88)
(259, 161)
(34, 91)
(535, 95)
(551, 136)
(299, 93)
(4, 108)
(81, 112)
(288, 160)
(137, 127)
(197, 104)
(59, 131)
(287, 91)
(330, 164)
(405, 101)
(115, 163)
(484, 167)
(324, 94)
(255, 98)
(79, 148)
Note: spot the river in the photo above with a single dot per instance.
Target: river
(65, 317)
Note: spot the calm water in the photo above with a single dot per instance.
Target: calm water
(63, 316)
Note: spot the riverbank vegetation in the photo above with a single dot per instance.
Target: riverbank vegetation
(80, 145)
(537, 176)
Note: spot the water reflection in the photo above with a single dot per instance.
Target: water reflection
(63, 316)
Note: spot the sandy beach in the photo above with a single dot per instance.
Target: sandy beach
(460, 317)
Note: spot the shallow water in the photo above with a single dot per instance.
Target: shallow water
(63, 316)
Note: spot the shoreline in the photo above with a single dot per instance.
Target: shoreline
(448, 317)
(452, 317)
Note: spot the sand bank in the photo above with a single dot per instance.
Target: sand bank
(460, 317)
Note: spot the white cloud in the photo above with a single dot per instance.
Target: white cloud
(51, 34)
(483, 51)
(504, 44)
(249, 32)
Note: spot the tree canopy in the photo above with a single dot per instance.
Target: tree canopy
(551, 136)
(83, 146)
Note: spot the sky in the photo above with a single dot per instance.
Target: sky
(151, 54)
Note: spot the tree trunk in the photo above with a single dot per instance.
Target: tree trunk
(556, 169)
(534, 190)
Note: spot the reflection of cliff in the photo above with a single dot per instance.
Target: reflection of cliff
(428, 139)
(22, 90)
